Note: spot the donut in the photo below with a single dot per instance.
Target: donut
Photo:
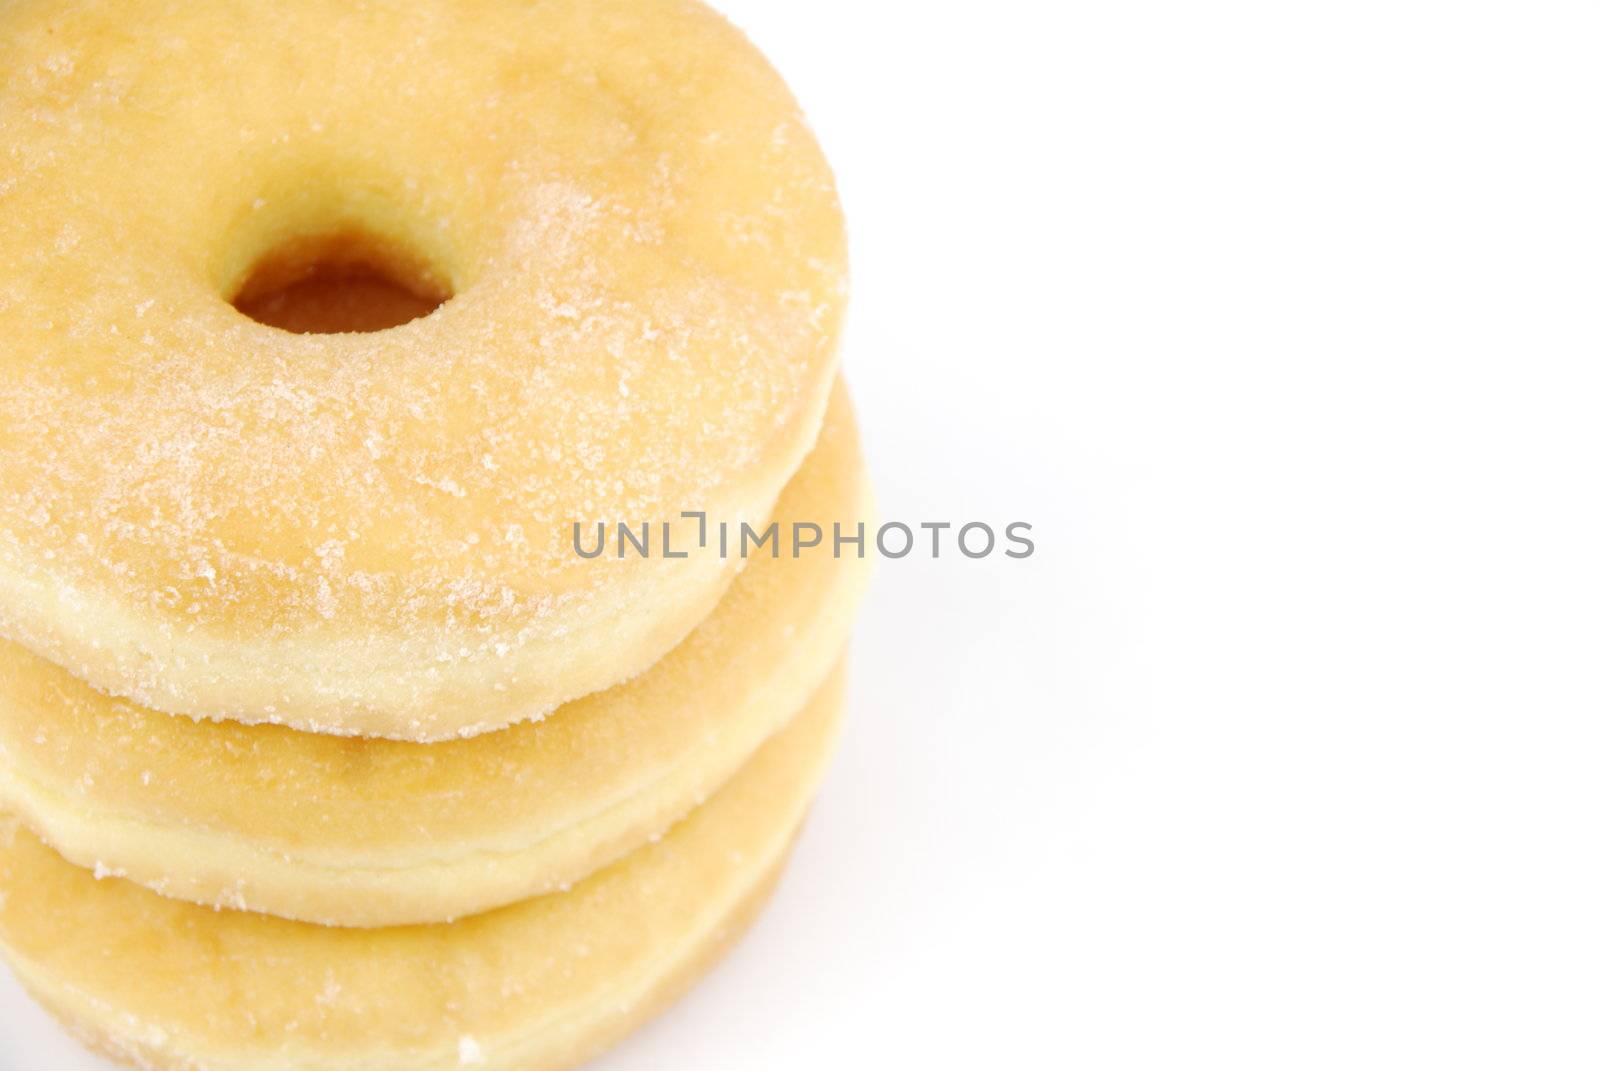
(632, 252)
(542, 984)
(377, 832)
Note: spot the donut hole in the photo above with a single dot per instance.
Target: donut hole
(343, 282)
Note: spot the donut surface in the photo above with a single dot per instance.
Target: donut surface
(538, 985)
(641, 261)
(379, 832)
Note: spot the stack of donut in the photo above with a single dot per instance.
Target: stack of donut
(325, 332)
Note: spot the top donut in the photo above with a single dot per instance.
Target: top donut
(642, 258)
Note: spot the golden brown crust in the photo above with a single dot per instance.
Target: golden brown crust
(375, 832)
(537, 985)
(668, 991)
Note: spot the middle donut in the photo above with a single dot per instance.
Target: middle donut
(352, 832)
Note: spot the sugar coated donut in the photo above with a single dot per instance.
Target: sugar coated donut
(538, 985)
(641, 262)
(379, 832)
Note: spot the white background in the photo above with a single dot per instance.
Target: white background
(1279, 322)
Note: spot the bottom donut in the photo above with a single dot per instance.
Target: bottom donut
(543, 984)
